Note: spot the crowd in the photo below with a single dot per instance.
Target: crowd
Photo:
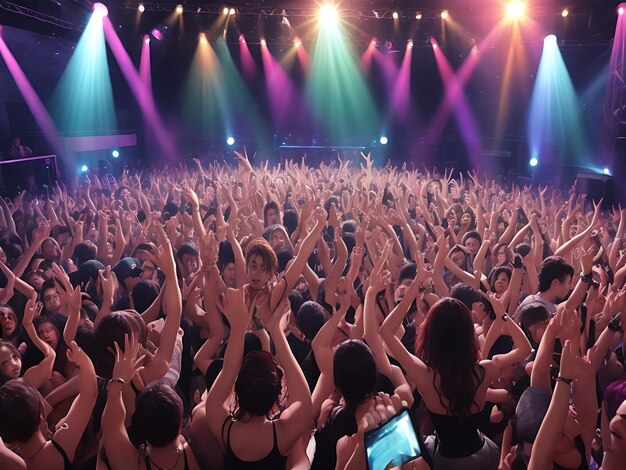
(273, 317)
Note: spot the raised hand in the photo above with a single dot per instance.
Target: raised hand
(233, 306)
(128, 363)
(573, 366)
(78, 356)
(31, 312)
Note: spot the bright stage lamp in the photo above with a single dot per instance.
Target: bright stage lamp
(202, 37)
(620, 11)
(444, 14)
(418, 16)
(115, 154)
(263, 42)
(565, 12)
(328, 15)
(516, 9)
(141, 8)
(533, 162)
(409, 44)
(230, 141)
(549, 40)
(606, 171)
(231, 11)
(384, 140)
(146, 39)
(225, 10)
(395, 15)
(84, 168)
(100, 10)
(297, 42)
(179, 9)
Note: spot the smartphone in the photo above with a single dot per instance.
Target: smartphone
(394, 442)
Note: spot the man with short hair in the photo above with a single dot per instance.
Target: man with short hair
(555, 282)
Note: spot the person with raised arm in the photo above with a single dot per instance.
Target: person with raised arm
(23, 419)
(158, 418)
(250, 433)
(453, 381)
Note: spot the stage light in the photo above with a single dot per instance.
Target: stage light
(549, 40)
(115, 153)
(179, 9)
(435, 46)
(225, 10)
(84, 168)
(565, 12)
(328, 15)
(373, 43)
(158, 35)
(242, 39)
(606, 171)
(533, 162)
(297, 42)
(100, 10)
(515, 9)
(444, 14)
(146, 39)
(620, 11)
(395, 15)
(409, 44)
(141, 8)
(384, 140)
(418, 16)
(263, 42)
(202, 37)
(230, 141)
(231, 11)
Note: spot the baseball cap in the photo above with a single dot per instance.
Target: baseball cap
(127, 267)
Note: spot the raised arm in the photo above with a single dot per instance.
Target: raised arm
(121, 453)
(297, 418)
(39, 374)
(159, 365)
(552, 426)
(295, 269)
(70, 429)
(234, 307)
(207, 352)
(74, 302)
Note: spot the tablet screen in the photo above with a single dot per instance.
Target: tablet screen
(394, 442)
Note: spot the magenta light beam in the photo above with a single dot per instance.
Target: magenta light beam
(44, 121)
(460, 106)
(435, 129)
(280, 89)
(304, 58)
(145, 72)
(247, 61)
(143, 97)
(401, 94)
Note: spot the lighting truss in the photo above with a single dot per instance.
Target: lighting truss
(37, 15)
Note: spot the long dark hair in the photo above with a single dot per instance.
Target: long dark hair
(447, 343)
(258, 385)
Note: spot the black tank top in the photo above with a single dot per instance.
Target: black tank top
(457, 438)
(272, 461)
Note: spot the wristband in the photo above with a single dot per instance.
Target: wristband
(586, 278)
(117, 381)
(564, 380)
(615, 324)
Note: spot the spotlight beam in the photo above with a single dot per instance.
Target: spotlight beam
(44, 121)
(143, 97)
